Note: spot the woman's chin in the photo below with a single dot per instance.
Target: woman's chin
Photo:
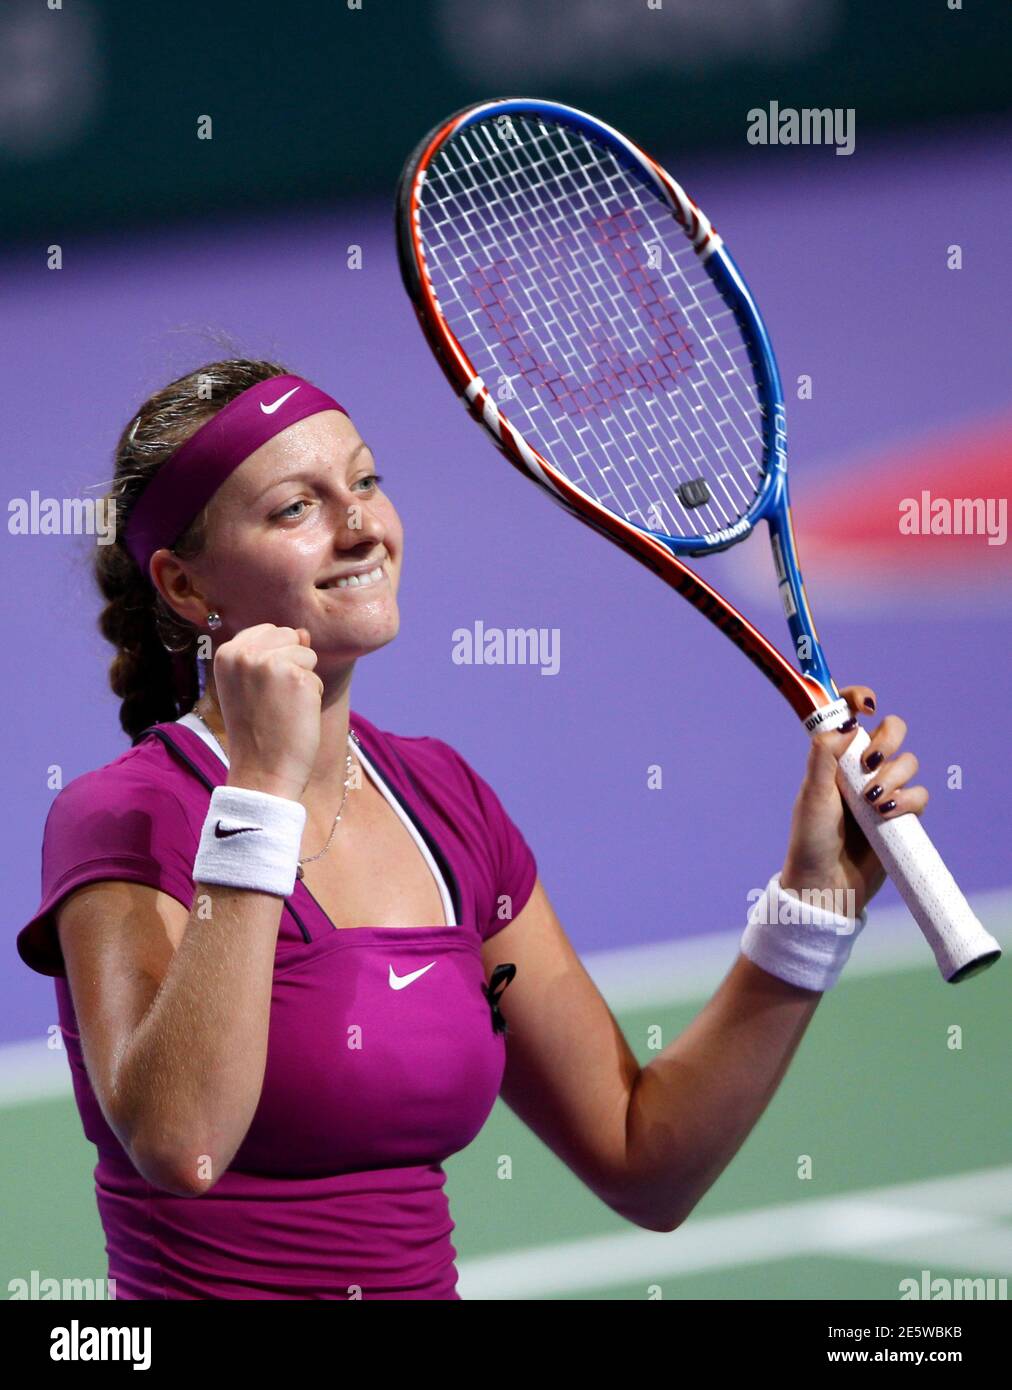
(349, 645)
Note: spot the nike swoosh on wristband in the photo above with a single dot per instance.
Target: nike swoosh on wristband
(399, 981)
(270, 409)
(222, 834)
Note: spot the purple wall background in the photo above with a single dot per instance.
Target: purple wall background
(847, 259)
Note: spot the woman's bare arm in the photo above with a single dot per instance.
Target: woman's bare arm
(694, 1105)
(173, 1010)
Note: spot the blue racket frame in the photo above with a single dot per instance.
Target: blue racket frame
(772, 502)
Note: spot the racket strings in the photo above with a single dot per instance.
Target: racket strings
(623, 181)
(623, 366)
(688, 256)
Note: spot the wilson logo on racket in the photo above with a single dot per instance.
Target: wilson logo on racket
(610, 368)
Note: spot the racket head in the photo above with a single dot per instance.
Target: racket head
(594, 321)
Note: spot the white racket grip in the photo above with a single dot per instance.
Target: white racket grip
(958, 939)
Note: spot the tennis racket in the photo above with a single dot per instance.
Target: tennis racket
(595, 324)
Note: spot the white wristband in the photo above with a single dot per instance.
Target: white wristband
(800, 939)
(250, 839)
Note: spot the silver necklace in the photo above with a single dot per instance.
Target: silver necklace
(347, 782)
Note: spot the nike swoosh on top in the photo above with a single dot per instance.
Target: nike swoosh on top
(222, 834)
(270, 409)
(399, 981)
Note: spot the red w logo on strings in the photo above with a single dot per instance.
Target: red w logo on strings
(585, 319)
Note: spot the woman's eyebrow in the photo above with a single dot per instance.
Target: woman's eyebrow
(301, 476)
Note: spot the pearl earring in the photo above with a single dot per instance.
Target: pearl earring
(213, 621)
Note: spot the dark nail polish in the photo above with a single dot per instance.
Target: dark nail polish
(872, 761)
(869, 702)
(889, 806)
(874, 794)
(850, 724)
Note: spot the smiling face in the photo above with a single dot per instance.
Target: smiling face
(299, 513)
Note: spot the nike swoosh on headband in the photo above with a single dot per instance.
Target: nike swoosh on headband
(223, 834)
(399, 981)
(270, 409)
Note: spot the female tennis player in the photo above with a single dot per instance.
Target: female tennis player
(282, 937)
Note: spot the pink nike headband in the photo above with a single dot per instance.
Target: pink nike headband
(191, 476)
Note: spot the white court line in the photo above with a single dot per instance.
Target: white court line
(932, 1214)
(31, 1071)
(637, 977)
(986, 1250)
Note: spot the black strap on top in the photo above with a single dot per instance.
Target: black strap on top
(501, 976)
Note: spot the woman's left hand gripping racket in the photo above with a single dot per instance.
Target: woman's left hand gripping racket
(598, 328)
